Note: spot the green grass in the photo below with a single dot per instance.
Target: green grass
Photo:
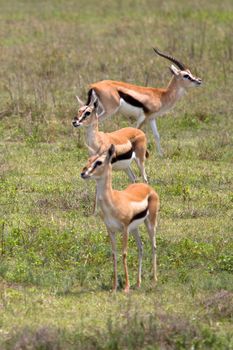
(55, 257)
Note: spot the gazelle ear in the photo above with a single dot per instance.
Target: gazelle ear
(174, 70)
(94, 100)
(93, 96)
(96, 103)
(111, 152)
(80, 101)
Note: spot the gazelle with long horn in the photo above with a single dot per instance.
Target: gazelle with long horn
(130, 143)
(144, 103)
(124, 210)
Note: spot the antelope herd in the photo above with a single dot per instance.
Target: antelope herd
(125, 210)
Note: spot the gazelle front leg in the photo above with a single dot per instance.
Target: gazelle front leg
(114, 256)
(156, 135)
(95, 211)
(140, 252)
(130, 174)
(140, 121)
(125, 246)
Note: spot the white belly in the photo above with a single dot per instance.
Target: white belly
(129, 110)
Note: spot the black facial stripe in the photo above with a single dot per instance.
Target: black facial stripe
(123, 156)
(84, 115)
(80, 120)
(187, 76)
(97, 163)
(132, 101)
(140, 215)
(191, 79)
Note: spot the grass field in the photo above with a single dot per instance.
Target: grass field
(55, 258)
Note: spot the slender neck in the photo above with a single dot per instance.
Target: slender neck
(173, 92)
(104, 187)
(91, 134)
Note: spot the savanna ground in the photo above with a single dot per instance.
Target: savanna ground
(55, 257)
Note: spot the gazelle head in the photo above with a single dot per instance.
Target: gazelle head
(87, 114)
(97, 165)
(182, 74)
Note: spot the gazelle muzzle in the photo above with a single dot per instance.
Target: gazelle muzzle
(76, 123)
(84, 175)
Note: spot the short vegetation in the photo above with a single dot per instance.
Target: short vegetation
(55, 257)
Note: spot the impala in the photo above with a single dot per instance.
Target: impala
(144, 103)
(124, 211)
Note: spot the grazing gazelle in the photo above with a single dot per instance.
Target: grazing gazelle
(124, 210)
(144, 103)
(131, 143)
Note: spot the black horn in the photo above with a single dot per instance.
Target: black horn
(170, 58)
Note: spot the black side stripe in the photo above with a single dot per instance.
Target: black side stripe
(132, 101)
(122, 156)
(140, 215)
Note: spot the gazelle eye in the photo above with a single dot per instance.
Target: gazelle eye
(186, 76)
(87, 114)
(97, 163)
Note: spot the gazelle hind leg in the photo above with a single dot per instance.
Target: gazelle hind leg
(151, 231)
(140, 149)
(140, 253)
(141, 167)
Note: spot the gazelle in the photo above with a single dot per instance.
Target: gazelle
(124, 210)
(144, 103)
(130, 143)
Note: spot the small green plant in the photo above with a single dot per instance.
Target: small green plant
(225, 262)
